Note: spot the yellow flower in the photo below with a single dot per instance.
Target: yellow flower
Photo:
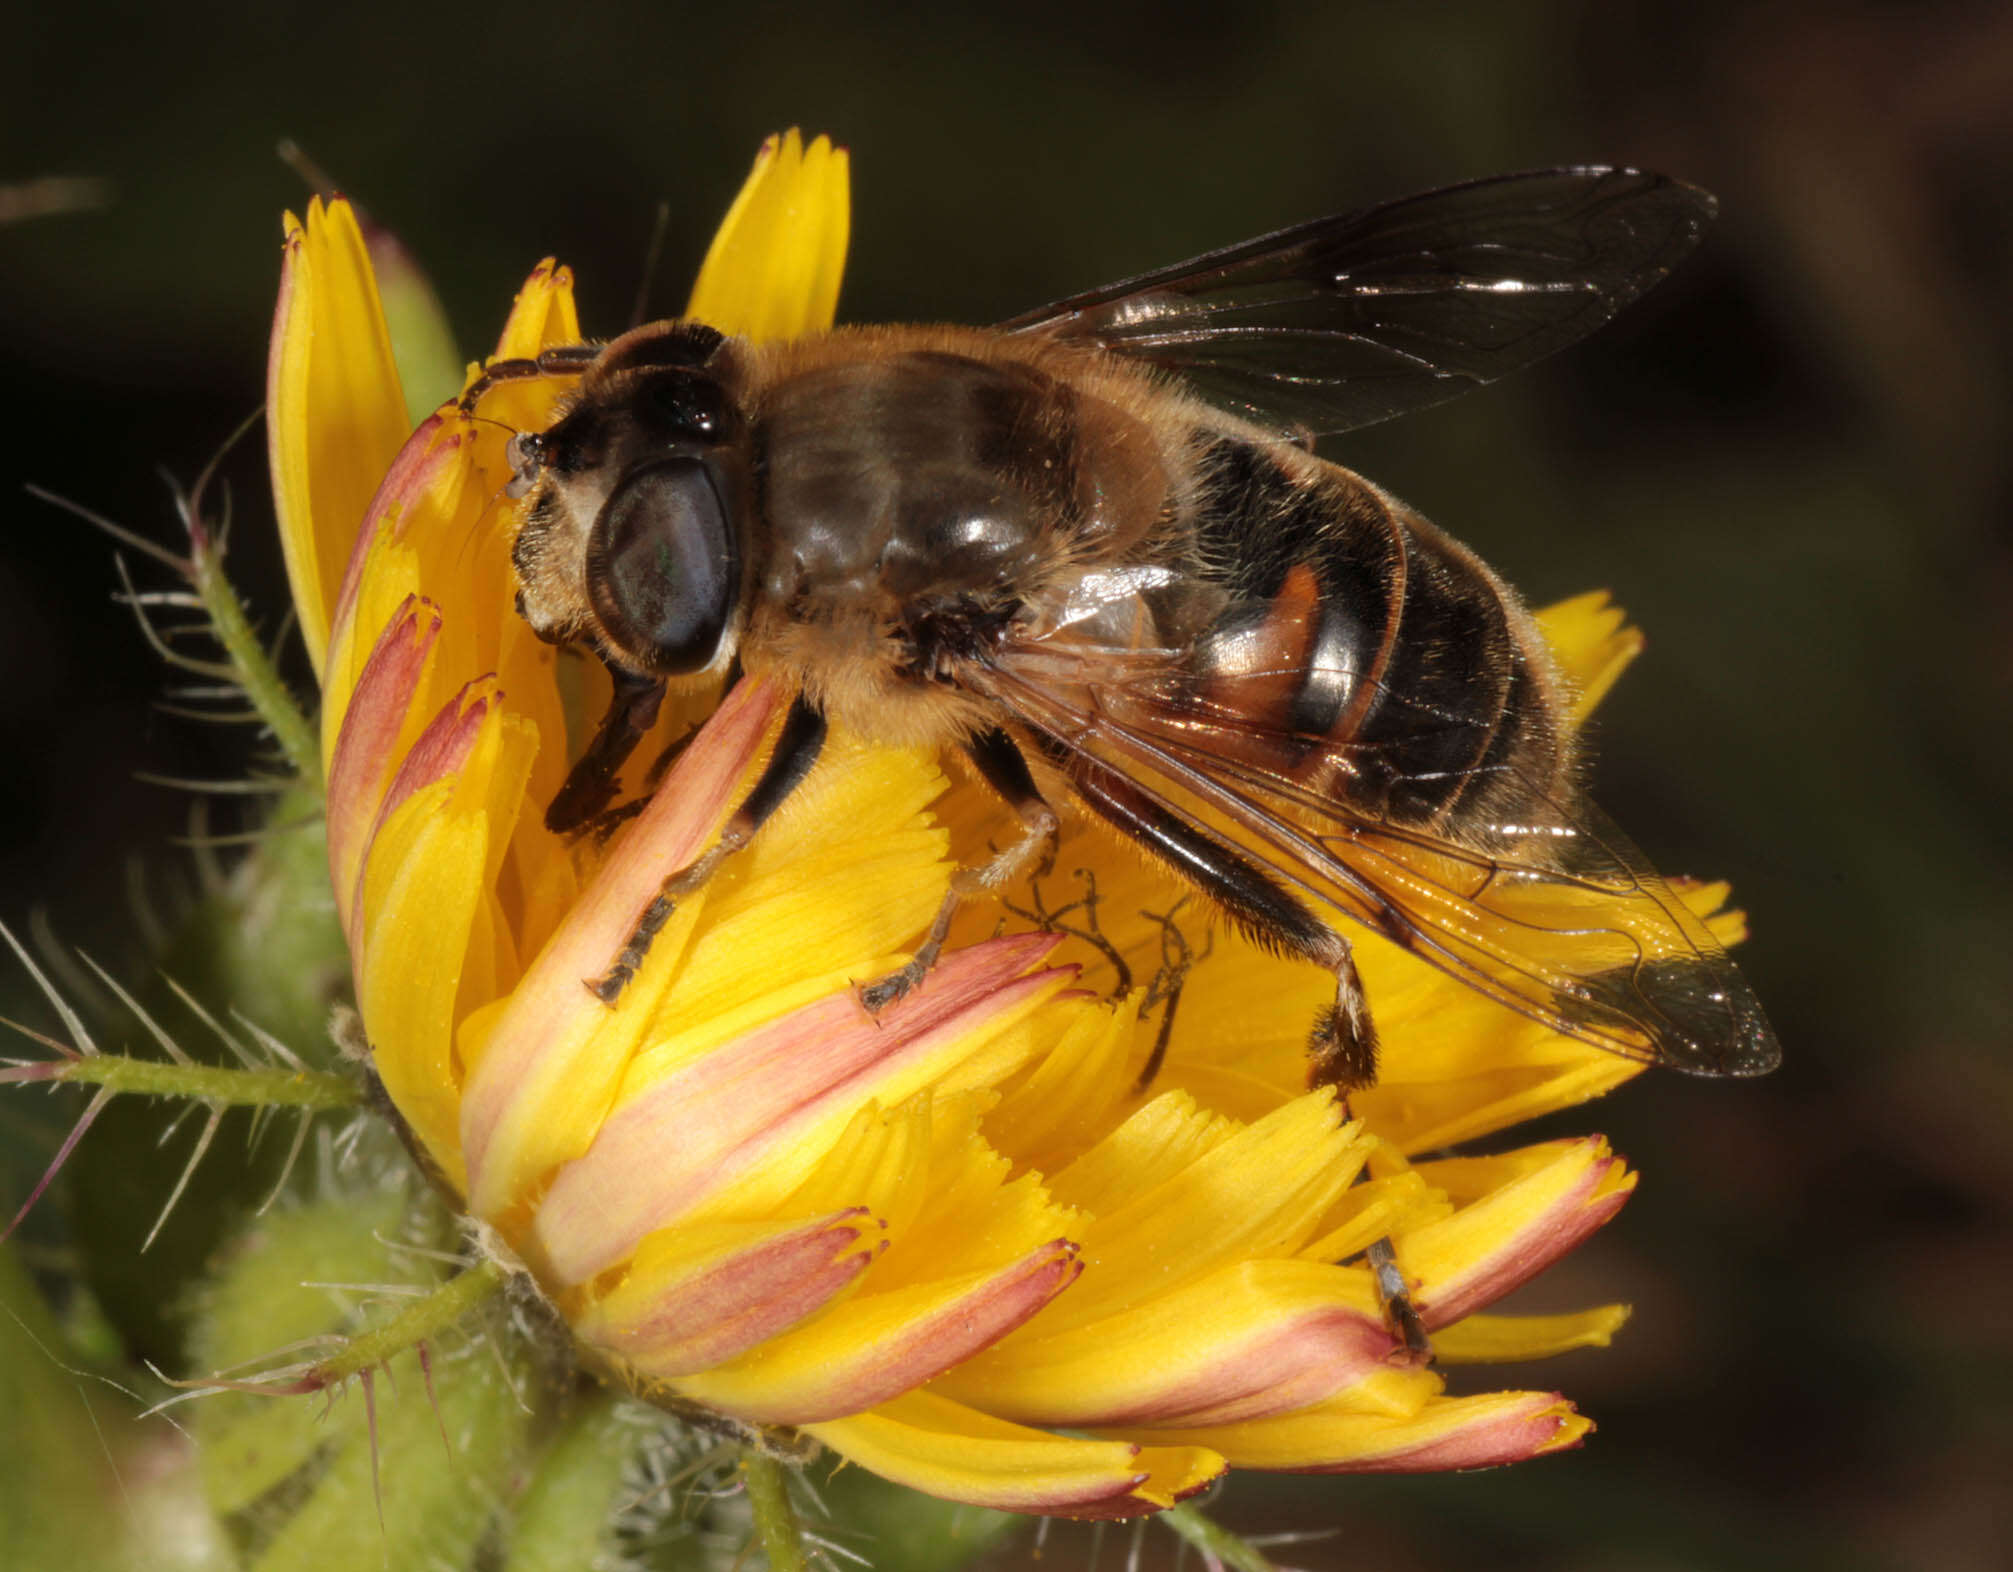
(961, 1245)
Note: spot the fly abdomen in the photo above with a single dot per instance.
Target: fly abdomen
(1383, 662)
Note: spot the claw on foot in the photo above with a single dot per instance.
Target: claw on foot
(1401, 1316)
(876, 997)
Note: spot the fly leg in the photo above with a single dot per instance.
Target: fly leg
(1401, 1316)
(1343, 1044)
(797, 748)
(1001, 766)
(1342, 1047)
(591, 783)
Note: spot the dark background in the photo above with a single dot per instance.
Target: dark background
(1791, 464)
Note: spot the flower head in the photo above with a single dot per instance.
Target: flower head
(1034, 1237)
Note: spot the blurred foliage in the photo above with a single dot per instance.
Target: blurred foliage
(1791, 464)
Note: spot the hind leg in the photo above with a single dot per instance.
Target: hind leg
(1342, 1047)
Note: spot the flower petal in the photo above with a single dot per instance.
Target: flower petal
(759, 1103)
(1591, 640)
(424, 913)
(335, 412)
(947, 1450)
(875, 1347)
(774, 268)
(542, 315)
(1549, 1198)
(1253, 1339)
(1504, 1339)
(366, 755)
(807, 899)
(1449, 1432)
(544, 1076)
(710, 1293)
(417, 483)
(1239, 1193)
(1066, 1100)
(440, 751)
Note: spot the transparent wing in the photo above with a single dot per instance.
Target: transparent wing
(1351, 320)
(1559, 918)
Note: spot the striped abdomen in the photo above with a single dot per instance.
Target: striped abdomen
(1393, 669)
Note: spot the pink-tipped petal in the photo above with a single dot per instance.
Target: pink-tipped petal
(421, 464)
(443, 748)
(688, 1321)
(440, 750)
(1542, 1217)
(1282, 1368)
(877, 1346)
(552, 1018)
(702, 1126)
(1264, 1338)
(1445, 1433)
(1485, 1432)
(365, 757)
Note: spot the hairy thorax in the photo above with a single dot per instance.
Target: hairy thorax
(924, 493)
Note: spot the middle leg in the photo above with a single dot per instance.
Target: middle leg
(1001, 767)
(592, 782)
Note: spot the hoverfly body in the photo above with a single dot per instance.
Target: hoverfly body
(1091, 549)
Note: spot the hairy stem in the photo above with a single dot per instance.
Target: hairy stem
(253, 669)
(775, 1519)
(417, 1322)
(316, 1089)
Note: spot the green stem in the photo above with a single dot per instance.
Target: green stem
(775, 1519)
(417, 1322)
(1214, 1540)
(253, 669)
(315, 1089)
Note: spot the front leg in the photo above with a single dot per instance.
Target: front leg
(590, 784)
(1001, 766)
(797, 749)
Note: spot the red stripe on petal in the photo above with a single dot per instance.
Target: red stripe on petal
(878, 1368)
(1527, 1251)
(1524, 1431)
(444, 746)
(671, 831)
(364, 760)
(419, 464)
(731, 1304)
(930, 1345)
(1285, 1367)
(704, 1125)
(439, 751)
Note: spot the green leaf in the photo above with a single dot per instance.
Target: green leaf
(84, 1485)
(566, 1517)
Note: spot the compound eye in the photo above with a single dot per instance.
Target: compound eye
(663, 566)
